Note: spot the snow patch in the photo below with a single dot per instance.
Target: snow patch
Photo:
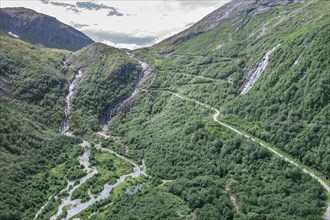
(12, 34)
(254, 74)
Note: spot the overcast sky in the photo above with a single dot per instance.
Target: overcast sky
(130, 24)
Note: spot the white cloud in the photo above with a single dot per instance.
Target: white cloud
(131, 46)
(120, 38)
(139, 20)
(191, 5)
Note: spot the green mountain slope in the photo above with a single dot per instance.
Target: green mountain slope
(265, 66)
(288, 104)
(34, 76)
(32, 100)
(109, 74)
(36, 161)
(249, 77)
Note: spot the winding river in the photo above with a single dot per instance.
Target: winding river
(91, 171)
(74, 207)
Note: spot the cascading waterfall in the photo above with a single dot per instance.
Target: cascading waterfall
(64, 129)
(254, 74)
(297, 60)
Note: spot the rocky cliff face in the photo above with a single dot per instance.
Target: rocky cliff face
(38, 28)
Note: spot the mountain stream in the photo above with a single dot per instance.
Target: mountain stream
(73, 207)
(254, 74)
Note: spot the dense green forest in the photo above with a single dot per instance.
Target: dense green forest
(196, 168)
(31, 105)
(35, 159)
(288, 105)
(34, 76)
(181, 142)
(150, 203)
(109, 75)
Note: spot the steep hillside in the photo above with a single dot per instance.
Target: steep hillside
(31, 104)
(108, 75)
(273, 61)
(37, 28)
(236, 12)
(34, 76)
(264, 66)
(36, 160)
(231, 122)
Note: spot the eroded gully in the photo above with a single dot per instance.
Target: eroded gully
(126, 102)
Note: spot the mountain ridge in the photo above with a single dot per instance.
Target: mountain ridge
(38, 28)
(232, 12)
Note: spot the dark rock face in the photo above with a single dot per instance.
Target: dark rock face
(37, 28)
